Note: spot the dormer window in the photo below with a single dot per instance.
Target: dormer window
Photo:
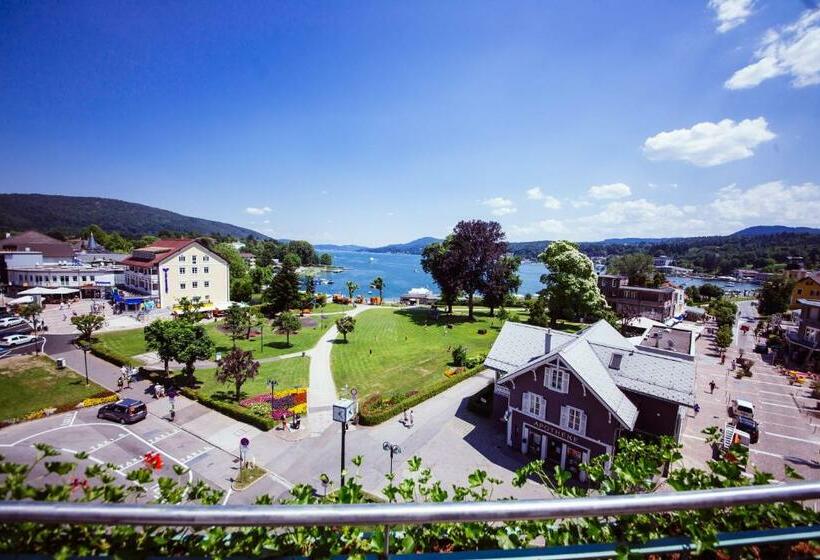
(615, 361)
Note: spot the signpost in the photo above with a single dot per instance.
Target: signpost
(244, 443)
(344, 411)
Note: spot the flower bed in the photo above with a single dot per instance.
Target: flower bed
(280, 405)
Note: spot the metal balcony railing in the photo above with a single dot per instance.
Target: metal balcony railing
(451, 512)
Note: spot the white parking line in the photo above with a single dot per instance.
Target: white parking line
(281, 481)
(769, 412)
(802, 440)
(165, 435)
(106, 443)
(784, 395)
(199, 453)
(782, 406)
(227, 495)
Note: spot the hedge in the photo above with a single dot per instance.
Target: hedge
(234, 411)
(377, 417)
(117, 359)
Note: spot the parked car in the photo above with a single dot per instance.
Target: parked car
(750, 426)
(124, 411)
(741, 407)
(11, 322)
(16, 339)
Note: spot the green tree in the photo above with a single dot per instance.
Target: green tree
(261, 276)
(502, 280)
(288, 323)
(283, 292)
(293, 260)
(571, 284)
(436, 261)
(305, 251)
(775, 296)
(345, 325)
(87, 324)
(242, 289)
(188, 310)
(163, 336)
(238, 320)
(710, 291)
(325, 259)
(637, 267)
(459, 355)
(475, 249)
(237, 367)
(539, 315)
(32, 311)
(724, 311)
(193, 344)
(723, 338)
(236, 263)
(378, 284)
(351, 288)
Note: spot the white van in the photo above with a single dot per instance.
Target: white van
(741, 407)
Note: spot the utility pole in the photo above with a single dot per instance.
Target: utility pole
(85, 359)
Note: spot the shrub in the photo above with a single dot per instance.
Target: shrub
(459, 356)
(482, 331)
(474, 361)
(232, 410)
(261, 409)
(94, 401)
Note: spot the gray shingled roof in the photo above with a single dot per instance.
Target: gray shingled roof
(657, 375)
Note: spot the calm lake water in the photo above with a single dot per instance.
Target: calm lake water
(402, 272)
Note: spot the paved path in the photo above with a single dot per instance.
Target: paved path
(322, 389)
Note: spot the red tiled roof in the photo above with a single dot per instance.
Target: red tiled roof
(161, 248)
(37, 241)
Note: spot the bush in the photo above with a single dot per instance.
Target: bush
(459, 356)
(475, 361)
(376, 409)
(232, 410)
(482, 331)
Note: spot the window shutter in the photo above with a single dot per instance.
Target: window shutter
(525, 402)
(564, 416)
(543, 408)
(564, 382)
(583, 423)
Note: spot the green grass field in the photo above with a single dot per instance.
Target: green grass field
(410, 349)
(331, 307)
(125, 344)
(289, 373)
(31, 383)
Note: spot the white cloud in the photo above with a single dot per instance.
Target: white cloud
(535, 193)
(580, 203)
(500, 206)
(707, 144)
(610, 191)
(541, 227)
(731, 13)
(257, 211)
(551, 203)
(792, 50)
(769, 203)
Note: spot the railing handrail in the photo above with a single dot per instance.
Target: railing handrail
(398, 514)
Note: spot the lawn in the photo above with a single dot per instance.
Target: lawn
(289, 373)
(129, 343)
(31, 383)
(331, 307)
(410, 349)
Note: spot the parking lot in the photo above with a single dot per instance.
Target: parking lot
(23, 328)
(787, 414)
(126, 445)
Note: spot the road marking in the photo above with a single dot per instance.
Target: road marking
(784, 395)
(130, 463)
(767, 453)
(811, 441)
(227, 495)
(69, 419)
(196, 454)
(792, 426)
(65, 450)
(106, 443)
(781, 406)
(694, 437)
(165, 435)
(281, 480)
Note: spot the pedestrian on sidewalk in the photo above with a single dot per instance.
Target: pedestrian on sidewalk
(411, 418)
(405, 421)
(697, 409)
(712, 386)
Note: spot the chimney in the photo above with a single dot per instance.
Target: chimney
(547, 342)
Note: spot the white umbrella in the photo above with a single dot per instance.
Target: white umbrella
(36, 292)
(20, 300)
(62, 291)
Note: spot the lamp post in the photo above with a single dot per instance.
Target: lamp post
(85, 359)
(271, 383)
(261, 337)
(394, 450)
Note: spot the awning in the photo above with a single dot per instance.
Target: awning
(48, 291)
(20, 300)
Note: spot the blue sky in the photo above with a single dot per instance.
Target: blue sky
(377, 122)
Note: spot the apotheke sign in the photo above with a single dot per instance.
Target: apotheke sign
(551, 430)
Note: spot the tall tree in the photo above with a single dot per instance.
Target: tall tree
(775, 295)
(345, 325)
(193, 344)
(283, 292)
(260, 277)
(87, 324)
(325, 259)
(288, 323)
(723, 338)
(639, 269)
(305, 251)
(378, 284)
(242, 289)
(502, 281)
(237, 367)
(571, 285)
(238, 320)
(435, 261)
(236, 263)
(162, 336)
(351, 288)
(475, 248)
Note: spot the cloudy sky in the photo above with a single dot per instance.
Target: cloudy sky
(376, 122)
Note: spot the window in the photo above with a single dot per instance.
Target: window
(205, 270)
(182, 270)
(615, 361)
(533, 405)
(196, 298)
(574, 419)
(194, 270)
(207, 284)
(182, 258)
(206, 258)
(558, 380)
(193, 259)
(195, 285)
(182, 286)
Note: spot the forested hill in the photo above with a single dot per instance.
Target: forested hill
(71, 214)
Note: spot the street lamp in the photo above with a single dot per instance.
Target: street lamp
(261, 337)
(85, 358)
(271, 383)
(394, 449)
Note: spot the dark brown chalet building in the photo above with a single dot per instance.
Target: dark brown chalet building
(659, 304)
(565, 398)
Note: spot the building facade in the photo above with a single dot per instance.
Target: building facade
(807, 288)
(90, 280)
(171, 269)
(659, 304)
(32, 248)
(565, 398)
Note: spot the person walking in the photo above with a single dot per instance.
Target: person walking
(411, 418)
(712, 386)
(405, 421)
(697, 409)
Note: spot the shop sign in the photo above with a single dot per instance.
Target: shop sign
(551, 430)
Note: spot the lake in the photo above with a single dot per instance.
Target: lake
(402, 272)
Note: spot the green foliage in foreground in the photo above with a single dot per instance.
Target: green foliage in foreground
(636, 469)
